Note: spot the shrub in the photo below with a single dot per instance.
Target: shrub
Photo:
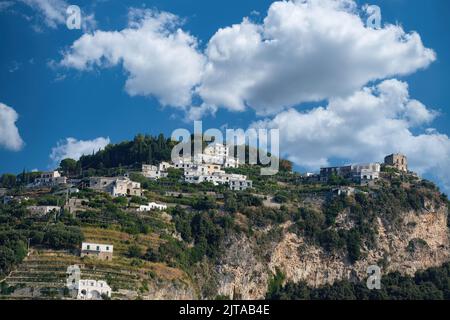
(134, 251)
(63, 237)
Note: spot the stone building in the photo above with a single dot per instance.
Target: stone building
(153, 172)
(74, 204)
(116, 186)
(328, 172)
(359, 173)
(101, 251)
(43, 210)
(49, 179)
(397, 160)
(93, 289)
(73, 277)
(86, 289)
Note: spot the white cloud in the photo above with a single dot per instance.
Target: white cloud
(9, 134)
(74, 149)
(304, 51)
(363, 127)
(197, 112)
(160, 59)
(52, 11)
(53, 14)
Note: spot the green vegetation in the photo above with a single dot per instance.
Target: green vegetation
(143, 149)
(17, 228)
(276, 283)
(189, 238)
(431, 284)
(204, 230)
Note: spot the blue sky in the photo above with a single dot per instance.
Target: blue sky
(55, 100)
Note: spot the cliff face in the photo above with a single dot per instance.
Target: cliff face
(162, 291)
(419, 241)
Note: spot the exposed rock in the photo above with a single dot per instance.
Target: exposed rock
(244, 273)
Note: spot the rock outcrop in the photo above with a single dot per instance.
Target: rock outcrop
(419, 241)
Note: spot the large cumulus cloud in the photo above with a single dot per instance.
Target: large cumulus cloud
(9, 133)
(365, 126)
(160, 59)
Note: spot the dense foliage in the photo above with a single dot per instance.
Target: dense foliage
(431, 284)
(203, 230)
(18, 228)
(142, 149)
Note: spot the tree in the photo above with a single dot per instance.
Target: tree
(354, 245)
(281, 197)
(8, 180)
(134, 251)
(69, 166)
(285, 165)
(205, 203)
(231, 204)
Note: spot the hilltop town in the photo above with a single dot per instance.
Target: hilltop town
(150, 229)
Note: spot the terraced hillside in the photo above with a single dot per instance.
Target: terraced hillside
(42, 274)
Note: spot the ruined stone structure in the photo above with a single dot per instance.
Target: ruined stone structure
(397, 160)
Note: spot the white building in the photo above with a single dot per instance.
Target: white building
(366, 172)
(361, 173)
(153, 172)
(116, 186)
(206, 167)
(86, 289)
(213, 173)
(43, 210)
(216, 153)
(163, 166)
(344, 190)
(308, 174)
(240, 184)
(73, 277)
(93, 289)
(101, 251)
(49, 179)
(183, 163)
(152, 206)
(217, 149)
(231, 162)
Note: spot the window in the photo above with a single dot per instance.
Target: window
(88, 247)
(98, 248)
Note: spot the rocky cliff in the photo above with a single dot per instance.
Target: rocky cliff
(418, 241)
